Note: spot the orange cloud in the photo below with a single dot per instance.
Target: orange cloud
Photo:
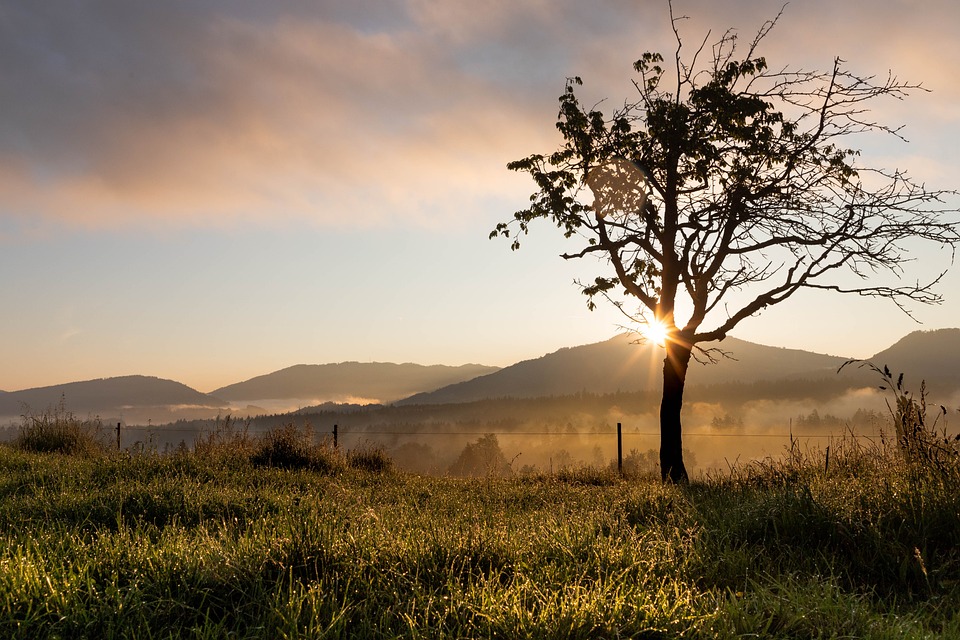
(212, 118)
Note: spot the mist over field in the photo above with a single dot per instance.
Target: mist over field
(559, 411)
(722, 427)
(715, 433)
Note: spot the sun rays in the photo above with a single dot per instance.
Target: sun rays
(655, 331)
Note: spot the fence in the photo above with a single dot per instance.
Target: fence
(625, 439)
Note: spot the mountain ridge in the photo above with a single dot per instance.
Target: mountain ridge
(620, 364)
(603, 367)
(380, 381)
(932, 356)
(101, 395)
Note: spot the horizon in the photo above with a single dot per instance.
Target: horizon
(209, 192)
(212, 390)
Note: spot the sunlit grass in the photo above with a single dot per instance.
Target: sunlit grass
(57, 430)
(206, 546)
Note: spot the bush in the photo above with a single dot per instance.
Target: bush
(286, 447)
(483, 457)
(926, 450)
(859, 511)
(59, 431)
(373, 459)
(326, 459)
(638, 464)
(291, 447)
(416, 457)
(226, 441)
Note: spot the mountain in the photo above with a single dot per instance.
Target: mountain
(605, 367)
(933, 356)
(143, 399)
(371, 381)
(113, 396)
(619, 364)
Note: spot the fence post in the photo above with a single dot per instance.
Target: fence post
(118, 436)
(619, 449)
(334, 436)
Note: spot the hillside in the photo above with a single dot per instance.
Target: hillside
(107, 396)
(619, 364)
(370, 381)
(933, 356)
(602, 368)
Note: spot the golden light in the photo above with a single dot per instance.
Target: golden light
(655, 331)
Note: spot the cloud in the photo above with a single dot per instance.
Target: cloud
(347, 114)
(238, 118)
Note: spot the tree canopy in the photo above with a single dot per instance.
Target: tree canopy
(727, 185)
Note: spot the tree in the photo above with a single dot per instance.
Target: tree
(727, 194)
(483, 457)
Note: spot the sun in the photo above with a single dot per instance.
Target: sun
(655, 331)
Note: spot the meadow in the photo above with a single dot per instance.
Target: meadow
(272, 537)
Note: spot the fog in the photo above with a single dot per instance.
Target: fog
(716, 434)
(721, 429)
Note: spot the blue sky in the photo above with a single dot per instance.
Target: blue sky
(212, 190)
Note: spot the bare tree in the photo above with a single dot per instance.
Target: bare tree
(736, 179)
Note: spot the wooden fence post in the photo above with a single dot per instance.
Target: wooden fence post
(619, 449)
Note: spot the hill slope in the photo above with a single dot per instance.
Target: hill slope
(614, 365)
(383, 382)
(933, 356)
(620, 365)
(106, 395)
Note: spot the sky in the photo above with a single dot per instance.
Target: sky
(210, 190)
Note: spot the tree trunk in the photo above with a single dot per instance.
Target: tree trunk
(674, 377)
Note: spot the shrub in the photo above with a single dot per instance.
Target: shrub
(588, 475)
(59, 431)
(637, 464)
(286, 447)
(291, 447)
(226, 441)
(483, 457)
(325, 459)
(416, 457)
(369, 458)
(925, 449)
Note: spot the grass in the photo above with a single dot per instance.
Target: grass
(216, 543)
(60, 431)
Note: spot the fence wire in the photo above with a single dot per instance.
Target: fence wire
(159, 430)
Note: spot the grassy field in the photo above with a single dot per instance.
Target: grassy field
(273, 539)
